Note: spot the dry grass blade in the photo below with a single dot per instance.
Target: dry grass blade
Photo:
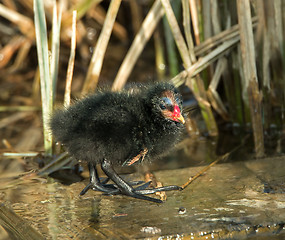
(212, 93)
(278, 23)
(13, 118)
(266, 48)
(215, 17)
(181, 45)
(144, 34)
(19, 108)
(22, 55)
(203, 62)
(99, 14)
(159, 55)
(136, 14)
(197, 85)
(206, 16)
(171, 49)
(70, 62)
(25, 24)
(220, 68)
(20, 154)
(7, 52)
(195, 21)
(220, 38)
(96, 63)
(187, 29)
(55, 165)
(249, 69)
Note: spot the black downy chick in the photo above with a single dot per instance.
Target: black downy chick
(112, 128)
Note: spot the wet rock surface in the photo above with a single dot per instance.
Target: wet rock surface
(242, 200)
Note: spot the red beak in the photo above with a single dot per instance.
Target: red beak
(177, 116)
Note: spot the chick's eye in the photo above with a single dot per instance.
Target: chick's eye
(165, 103)
(162, 106)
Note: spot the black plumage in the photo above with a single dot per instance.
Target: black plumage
(122, 128)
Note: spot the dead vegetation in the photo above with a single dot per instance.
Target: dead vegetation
(231, 59)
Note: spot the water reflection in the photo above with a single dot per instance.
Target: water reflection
(57, 212)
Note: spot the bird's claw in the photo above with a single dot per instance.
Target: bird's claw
(120, 186)
(137, 189)
(112, 189)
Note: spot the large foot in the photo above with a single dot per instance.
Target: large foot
(111, 189)
(100, 184)
(120, 186)
(124, 188)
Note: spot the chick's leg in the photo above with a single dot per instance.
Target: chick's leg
(95, 182)
(122, 185)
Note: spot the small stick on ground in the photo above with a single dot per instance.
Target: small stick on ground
(191, 179)
(223, 157)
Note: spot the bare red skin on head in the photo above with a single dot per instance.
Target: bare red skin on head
(176, 113)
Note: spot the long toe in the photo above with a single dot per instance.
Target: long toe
(133, 183)
(85, 190)
(159, 189)
(143, 197)
(109, 189)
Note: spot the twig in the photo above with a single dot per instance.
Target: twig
(223, 157)
(191, 179)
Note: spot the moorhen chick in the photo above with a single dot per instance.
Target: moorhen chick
(121, 128)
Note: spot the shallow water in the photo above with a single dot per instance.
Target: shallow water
(231, 201)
